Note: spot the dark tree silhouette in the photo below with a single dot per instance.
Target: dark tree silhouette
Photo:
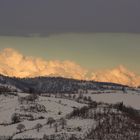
(38, 127)
(50, 121)
(63, 122)
(15, 118)
(21, 127)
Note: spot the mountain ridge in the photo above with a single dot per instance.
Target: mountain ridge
(57, 84)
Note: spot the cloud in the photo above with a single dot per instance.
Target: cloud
(13, 63)
(117, 75)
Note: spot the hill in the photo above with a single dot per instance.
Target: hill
(57, 85)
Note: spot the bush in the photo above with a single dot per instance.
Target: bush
(73, 137)
(21, 127)
(82, 112)
(79, 128)
(93, 104)
(15, 118)
(59, 113)
(41, 117)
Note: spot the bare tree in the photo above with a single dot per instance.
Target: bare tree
(50, 121)
(56, 127)
(38, 127)
(74, 96)
(63, 122)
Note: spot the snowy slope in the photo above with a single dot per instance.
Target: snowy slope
(77, 125)
(129, 99)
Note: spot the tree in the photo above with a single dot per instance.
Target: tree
(69, 96)
(93, 104)
(21, 127)
(59, 101)
(38, 127)
(63, 122)
(80, 95)
(15, 118)
(45, 137)
(31, 90)
(73, 137)
(56, 127)
(74, 96)
(32, 97)
(50, 121)
(89, 99)
(85, 98)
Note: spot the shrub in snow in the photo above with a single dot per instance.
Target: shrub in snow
(59, 113)
(21, 127)
(45, 137)
(93, 104)
(41, 117)
(15, 118)
(82, 112)
(79, 128)
(73, 137)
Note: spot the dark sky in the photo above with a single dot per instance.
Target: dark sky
(23, 17)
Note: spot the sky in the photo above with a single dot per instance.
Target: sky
(23, 17)
(79, 39)
(93, 51)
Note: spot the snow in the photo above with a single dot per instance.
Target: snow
(128, 99)
(84, 124)
(56, 105)
(9, 105)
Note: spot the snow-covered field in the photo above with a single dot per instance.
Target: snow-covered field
(10, 105)
(129, 99)
(56, 108)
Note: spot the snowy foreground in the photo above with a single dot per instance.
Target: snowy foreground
(128, 99)
(69, 117)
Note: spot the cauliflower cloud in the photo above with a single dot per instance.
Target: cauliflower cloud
(13, 63)
(117, 75)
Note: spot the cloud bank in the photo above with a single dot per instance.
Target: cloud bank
(117, 75)
(13, 63)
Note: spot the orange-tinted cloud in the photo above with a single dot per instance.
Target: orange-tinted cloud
(117, 75)
(13, 63)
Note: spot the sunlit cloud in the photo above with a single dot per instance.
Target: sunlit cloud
(117, 75)
(13, 63)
